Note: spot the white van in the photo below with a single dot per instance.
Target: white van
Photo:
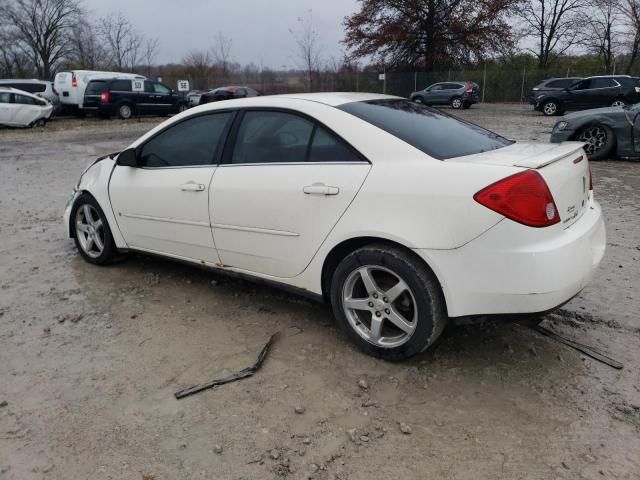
(71, 85)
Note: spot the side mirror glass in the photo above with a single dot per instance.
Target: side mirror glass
(128, 158)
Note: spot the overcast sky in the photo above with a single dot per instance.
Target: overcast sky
(259, 29)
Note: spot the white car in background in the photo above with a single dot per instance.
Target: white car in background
(72, 84)
(399, 215)
(23, 109)
(41, 88)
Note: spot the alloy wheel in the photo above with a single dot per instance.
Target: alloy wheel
(125, 111)
(456, 103)
(618, 103)
(594, 137)
(379, 306)
(550, 108)
(90, 230)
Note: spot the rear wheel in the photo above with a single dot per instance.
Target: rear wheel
(418, 100)
(551, 108)
(619, 103)
(599, 141)
(456, 102)
(387, 302)
(125, 111)
(91, 231)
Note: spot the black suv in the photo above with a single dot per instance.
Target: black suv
(550, 85)
(128, 97)
(592, 92)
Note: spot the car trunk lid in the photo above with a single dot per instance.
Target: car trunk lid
(564, 167)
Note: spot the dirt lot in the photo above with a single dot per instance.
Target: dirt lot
(90, 357)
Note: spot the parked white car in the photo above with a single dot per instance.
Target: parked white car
(41, 88)
(23, 109)
(400, 215)
(71, 85)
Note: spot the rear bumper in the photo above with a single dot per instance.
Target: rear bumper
(507, 270)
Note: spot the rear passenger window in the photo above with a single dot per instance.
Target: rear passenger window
(5, 97)
(121, 85)
(272, 137)
(192, 142)
(24, 100)
(325, 147)
(603, 83)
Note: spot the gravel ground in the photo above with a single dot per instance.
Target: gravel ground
(90, 357)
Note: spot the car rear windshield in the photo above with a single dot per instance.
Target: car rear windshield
(95, 87)
(437, 134)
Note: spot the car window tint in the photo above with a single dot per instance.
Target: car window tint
(434, 132)
(148, 87)
(558, 83)
(453, 86)
(121, 85)
(240, 92)
(272, 137)
(5, 97)
(435, 88)
(161, 89)
(192, 142)
(603, 83)
(24, 100)
(326, 147)
(582, 85)
(95, 87)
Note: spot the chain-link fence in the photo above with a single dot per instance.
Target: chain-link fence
(495, 85)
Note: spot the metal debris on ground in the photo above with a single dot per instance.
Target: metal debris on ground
(589, 351)
(244, 373)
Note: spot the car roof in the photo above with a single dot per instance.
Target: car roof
(21, 92)
(22, 80)
(335, 99)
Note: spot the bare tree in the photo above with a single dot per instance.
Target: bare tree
(42, 30)
(150, 53)
(197, 66)
(554, 24)
(307, 54)
(87, 51)
(221, 51)
(630, 10)
(124, 44)
(602, 31)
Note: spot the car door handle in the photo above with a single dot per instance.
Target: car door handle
(320, 189)
(192, 187)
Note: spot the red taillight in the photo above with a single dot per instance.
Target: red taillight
(590, 179)
(523, 198)
(469, 88)
(74, 81)
(104, 97)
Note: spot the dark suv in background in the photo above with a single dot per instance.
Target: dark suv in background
(549, 86)
(227, 93)
(592, 92)
(126, 97)
(456, 94)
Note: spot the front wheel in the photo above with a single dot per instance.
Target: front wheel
(456, 102)
(619, 103)
(418, 100)
(182, 107)
(387, 302)
(91, 231)
(599, 141)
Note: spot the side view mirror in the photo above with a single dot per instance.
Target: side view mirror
(128, 158)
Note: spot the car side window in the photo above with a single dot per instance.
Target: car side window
(582, 85)
(189, 143)
(121, 85)
(240, 92)
(326, 147)
(603, 83)
(5, 97)
(435, 88)
(161, 89)
(24, 100)
(148, 87)
(272, 137)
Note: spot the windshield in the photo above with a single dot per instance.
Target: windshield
(436, 133)
(95, 87)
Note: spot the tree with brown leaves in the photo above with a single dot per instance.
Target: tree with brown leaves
(428, 33)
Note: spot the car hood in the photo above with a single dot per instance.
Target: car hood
(594, 111)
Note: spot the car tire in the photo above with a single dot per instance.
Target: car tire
(125, 111)
(599, 140)
(418, 100)
(456, 103)
(182, 107)
(91, 231)
(550, 108)
(619, 103)
(40, 123)
(394, 336)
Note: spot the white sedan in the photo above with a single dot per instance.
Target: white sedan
(23, 109)
(400, 216)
